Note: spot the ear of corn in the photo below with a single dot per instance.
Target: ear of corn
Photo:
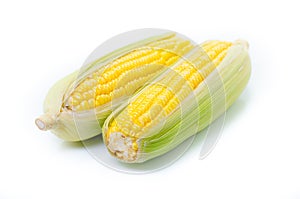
(179, 103)
(77, 105)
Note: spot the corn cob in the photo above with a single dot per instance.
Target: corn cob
(179, 103)
(76, 105)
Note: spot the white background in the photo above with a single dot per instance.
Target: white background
(258, 155)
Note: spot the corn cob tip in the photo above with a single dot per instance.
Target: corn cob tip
(123, 147)
(243, 43)
(45, 122)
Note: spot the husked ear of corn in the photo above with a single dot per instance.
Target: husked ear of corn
(78, 104)
(179, 103)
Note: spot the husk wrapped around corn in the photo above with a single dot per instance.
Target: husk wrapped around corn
(76, 106)
(179, 103)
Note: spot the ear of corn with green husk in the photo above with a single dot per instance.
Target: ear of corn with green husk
(179, 103)
(76, 106)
